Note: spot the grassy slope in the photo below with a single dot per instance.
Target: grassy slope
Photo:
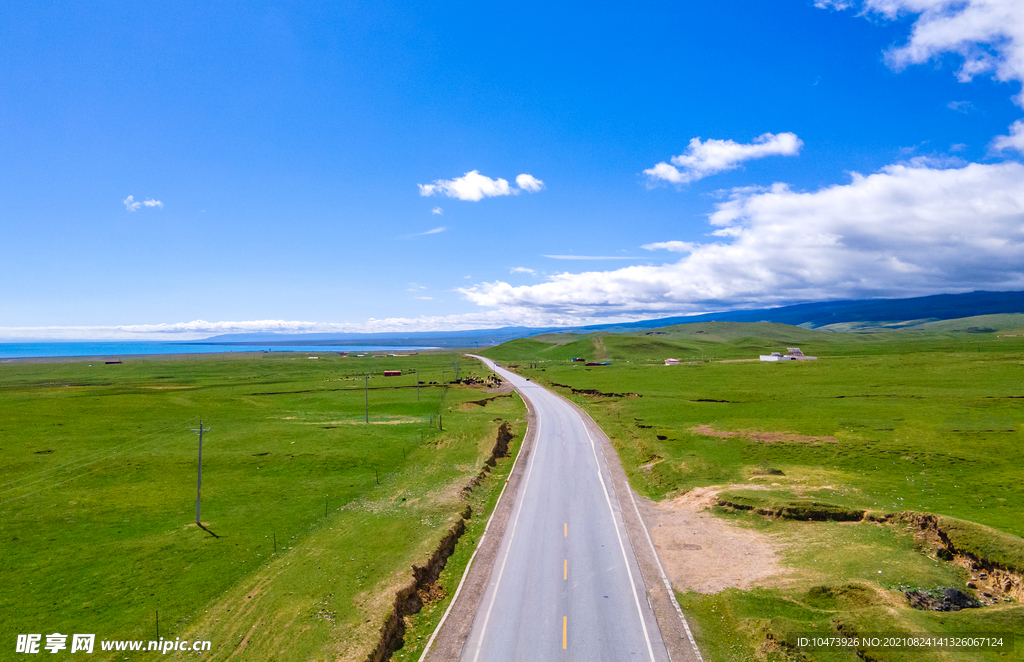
(921, 421)
(101, 547)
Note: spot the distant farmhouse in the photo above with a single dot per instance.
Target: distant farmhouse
(792, 354)
(671, 361)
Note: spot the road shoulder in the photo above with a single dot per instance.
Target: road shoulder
(454, 631)
(674, 628)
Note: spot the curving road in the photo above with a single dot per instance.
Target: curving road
(565, 584)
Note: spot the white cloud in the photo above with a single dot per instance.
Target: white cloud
(960, 106)
(712, 156)
(474, 187)
(903, 231)
(590, 257)
(529, 183)
(131, 204)
(673, 246)
(426, 298)
(1013, 141)
(432, 231)
(200, 329)
(523, 270)
(437, 211)
(987, 34)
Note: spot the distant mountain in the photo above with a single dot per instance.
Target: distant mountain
(814, 315)
(808, 315)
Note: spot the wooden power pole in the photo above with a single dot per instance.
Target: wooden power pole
(199, 477)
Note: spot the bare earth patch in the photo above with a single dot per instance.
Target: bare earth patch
(705, 554)
(764, 437)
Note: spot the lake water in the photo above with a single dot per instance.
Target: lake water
(25, 350)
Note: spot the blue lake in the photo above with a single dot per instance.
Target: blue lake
(26, 350)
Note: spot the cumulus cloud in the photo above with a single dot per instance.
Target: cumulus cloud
(437, 211)
(987, 34)
(673, 246)
(131, 204)
(903, 231)
(475, 187)
(1013, 141)
(529, 183)
(712, 156)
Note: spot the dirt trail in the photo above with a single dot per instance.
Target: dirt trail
(764, 437)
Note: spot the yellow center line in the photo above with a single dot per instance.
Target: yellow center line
(566, 529)
(565, 569)
(565, 623)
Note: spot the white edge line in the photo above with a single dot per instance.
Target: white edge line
(479, 544)
(625, 557)
(664, 578)
(501, 571)
(512, 533)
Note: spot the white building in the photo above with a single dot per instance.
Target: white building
(792, 354)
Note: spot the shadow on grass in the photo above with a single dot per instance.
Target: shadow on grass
(207, 530)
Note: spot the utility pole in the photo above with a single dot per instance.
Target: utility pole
(417, 386)
(366, 392)
(199, 477)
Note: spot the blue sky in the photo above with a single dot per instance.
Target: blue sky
(304, 164)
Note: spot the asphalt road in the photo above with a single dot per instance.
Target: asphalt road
(565, 584)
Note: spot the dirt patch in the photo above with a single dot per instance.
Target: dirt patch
(764, 437)
(480, 403)
(594, 393)
(705, 554)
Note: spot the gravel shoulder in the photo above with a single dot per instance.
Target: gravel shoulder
(455, 629)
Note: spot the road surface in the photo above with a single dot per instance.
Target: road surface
(565, 584)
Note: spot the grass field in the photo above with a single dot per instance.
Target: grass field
(888, 422)
(97, 495)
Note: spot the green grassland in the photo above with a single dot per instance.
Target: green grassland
(97, 495)
(890, 421)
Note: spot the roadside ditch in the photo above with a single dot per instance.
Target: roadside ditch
(424, 588)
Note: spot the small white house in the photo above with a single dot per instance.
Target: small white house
(792, 354)
(671, 361)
